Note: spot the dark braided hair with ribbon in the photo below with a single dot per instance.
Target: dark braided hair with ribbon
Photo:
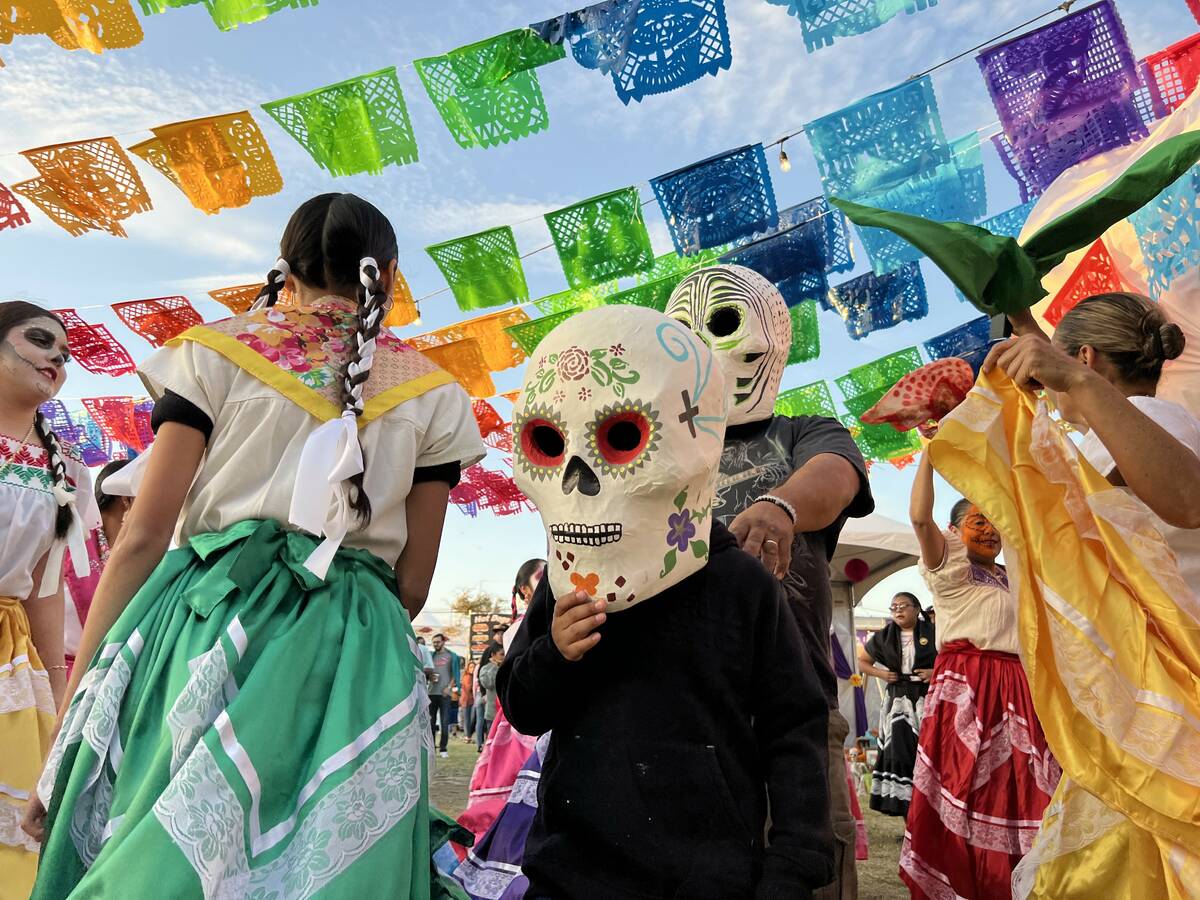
(342, 244)
(13, 314)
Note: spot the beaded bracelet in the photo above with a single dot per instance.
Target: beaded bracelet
(780, 502)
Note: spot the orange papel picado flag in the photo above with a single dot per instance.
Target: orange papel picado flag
(85, 185)
(219, 162)
(73, 24)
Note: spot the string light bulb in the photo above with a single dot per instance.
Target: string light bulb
(785, 164)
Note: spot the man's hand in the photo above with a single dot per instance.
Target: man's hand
(576, 618)
(765, 532)
(33, 819)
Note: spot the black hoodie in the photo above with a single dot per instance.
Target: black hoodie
(668, 737)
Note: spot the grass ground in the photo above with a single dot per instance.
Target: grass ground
(877, 879)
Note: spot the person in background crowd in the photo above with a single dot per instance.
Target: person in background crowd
(426, 658)
(442, 685)
(487, 680)
(309, 514)
(466, 701)
(973, 814)
(113, 510)
(901, 655)
(1113, 645)
(503, 750)
(480, 732)
(787, 486)
(44, 488)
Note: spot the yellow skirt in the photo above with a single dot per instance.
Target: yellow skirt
(26, 722)
(1087, 849)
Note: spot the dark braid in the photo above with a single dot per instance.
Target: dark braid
(369, 319)
(58, 468)
(337, 243)
(275, 281)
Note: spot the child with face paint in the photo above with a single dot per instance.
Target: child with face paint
(44, 489)
(972, 816)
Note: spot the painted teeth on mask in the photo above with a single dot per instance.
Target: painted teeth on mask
(587, 535)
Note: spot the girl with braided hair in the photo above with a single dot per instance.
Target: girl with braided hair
(40, 482)
(254, 719)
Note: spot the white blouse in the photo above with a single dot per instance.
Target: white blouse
(29, 511)
(972, 602)
(1185, 428)
(249, 469)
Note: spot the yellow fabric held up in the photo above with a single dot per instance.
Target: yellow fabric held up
(93, 25)
(85, 185)
(1109, 632)
(219, 162)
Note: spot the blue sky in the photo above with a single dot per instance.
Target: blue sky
(186, 68)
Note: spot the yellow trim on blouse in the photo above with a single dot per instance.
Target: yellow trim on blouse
(249, 360)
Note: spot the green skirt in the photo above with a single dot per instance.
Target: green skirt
(246, 731)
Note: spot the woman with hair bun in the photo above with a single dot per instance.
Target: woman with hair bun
(1111, 624)
(253, 721)
(44, 487)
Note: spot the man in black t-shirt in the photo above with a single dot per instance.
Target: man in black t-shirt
(786, 488)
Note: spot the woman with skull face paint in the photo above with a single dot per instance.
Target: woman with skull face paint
(902, 656)
(975, 801)
(41, 484)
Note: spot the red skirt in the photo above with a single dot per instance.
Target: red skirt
(983, 777)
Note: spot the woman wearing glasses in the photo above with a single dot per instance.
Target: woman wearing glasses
(901, 655)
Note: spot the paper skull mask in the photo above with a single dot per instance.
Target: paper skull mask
(617, 440)
(745, 320)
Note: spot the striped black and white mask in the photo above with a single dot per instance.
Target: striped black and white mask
(744, 319)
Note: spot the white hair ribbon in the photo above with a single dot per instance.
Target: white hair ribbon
(321, 497)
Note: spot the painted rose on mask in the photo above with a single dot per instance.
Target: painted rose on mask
(980, 536)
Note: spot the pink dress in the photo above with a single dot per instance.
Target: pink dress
(496, 771)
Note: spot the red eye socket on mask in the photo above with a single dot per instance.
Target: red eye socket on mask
(542, 443)
(622, 437)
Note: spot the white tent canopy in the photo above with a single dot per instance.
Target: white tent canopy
(887, 546)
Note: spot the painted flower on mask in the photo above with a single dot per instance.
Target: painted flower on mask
(589, 583)
(680, 529)
(573, 364)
